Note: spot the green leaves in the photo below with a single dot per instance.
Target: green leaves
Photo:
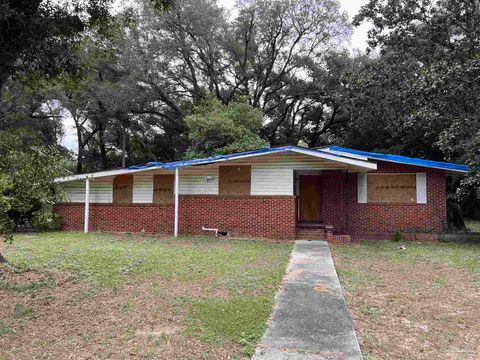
(27, 171)
(216, 128)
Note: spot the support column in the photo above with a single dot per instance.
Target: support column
(175, 226)
(87, 205)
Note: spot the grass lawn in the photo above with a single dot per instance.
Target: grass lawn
(105, 296)
(418, 303)
(473, 225)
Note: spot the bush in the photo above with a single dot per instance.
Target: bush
(44, 223)
(397, 236)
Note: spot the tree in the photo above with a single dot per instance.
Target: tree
(27, 172)
(39, 34)
(424, 82)
(217, 129)
(420, 96)
(133, 84)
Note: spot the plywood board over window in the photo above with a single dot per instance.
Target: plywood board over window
(392, 188)
(163, 189)
(123, 189)
(235, 180)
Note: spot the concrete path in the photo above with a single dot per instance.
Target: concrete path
(310, 320)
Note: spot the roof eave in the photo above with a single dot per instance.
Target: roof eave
(101, 174)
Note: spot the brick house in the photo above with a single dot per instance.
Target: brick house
(281, 193)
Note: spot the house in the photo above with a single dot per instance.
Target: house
(281, 193)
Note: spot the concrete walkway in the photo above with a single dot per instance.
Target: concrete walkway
(310, 320)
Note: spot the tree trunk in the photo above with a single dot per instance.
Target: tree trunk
(124, 144)
(455, 219)
(103, 150)
(80, 151)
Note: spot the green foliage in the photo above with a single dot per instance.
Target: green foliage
(5, 328)
(44, 223)
(27, 171)
(240, 319)
(397, 236)
(420, 96)
(21, 312)
(216, 128)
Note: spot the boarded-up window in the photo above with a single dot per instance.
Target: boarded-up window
(163, 189)
(392, 188)
(234, 180)
(122, 189)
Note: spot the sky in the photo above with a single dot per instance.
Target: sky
(357, 42)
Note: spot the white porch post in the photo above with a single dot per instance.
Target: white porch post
(87, 205)
(175, 226)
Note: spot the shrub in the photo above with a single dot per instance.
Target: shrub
(397, 236)
(44, 223)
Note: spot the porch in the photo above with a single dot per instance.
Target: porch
(321, 205)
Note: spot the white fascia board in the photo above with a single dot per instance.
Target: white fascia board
(341, 153)
(101, 174)
(337, 158)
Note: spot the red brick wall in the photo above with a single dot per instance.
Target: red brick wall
(118, 217)
(249, 216)
(379, 221)
(245, 216)
(333, 205)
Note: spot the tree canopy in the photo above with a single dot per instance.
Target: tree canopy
(215, 128)
(27, 170)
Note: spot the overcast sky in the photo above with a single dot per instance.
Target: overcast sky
(359, 38)
(358, 41)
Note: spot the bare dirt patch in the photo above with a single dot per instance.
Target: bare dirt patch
(60, 318)
(414, 311)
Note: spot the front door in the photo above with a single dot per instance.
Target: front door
(309, 199)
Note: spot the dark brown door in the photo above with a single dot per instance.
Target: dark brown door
(310, 198)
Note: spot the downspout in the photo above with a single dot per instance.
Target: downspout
(175, 226)
(87, 205)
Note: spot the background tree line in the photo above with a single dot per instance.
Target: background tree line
(164, 80)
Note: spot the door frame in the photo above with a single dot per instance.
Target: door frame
(296, 185)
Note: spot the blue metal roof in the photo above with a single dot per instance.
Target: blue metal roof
(339, 152)
(211, 159)
(403, 159)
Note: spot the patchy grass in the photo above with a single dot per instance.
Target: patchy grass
(107, 296)
(418, 303)
(473, 225)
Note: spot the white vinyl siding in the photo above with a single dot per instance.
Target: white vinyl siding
(421, 188)
(142, 189)
(362, 188)
(198, 181)
(100, 191)
(271, 181)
